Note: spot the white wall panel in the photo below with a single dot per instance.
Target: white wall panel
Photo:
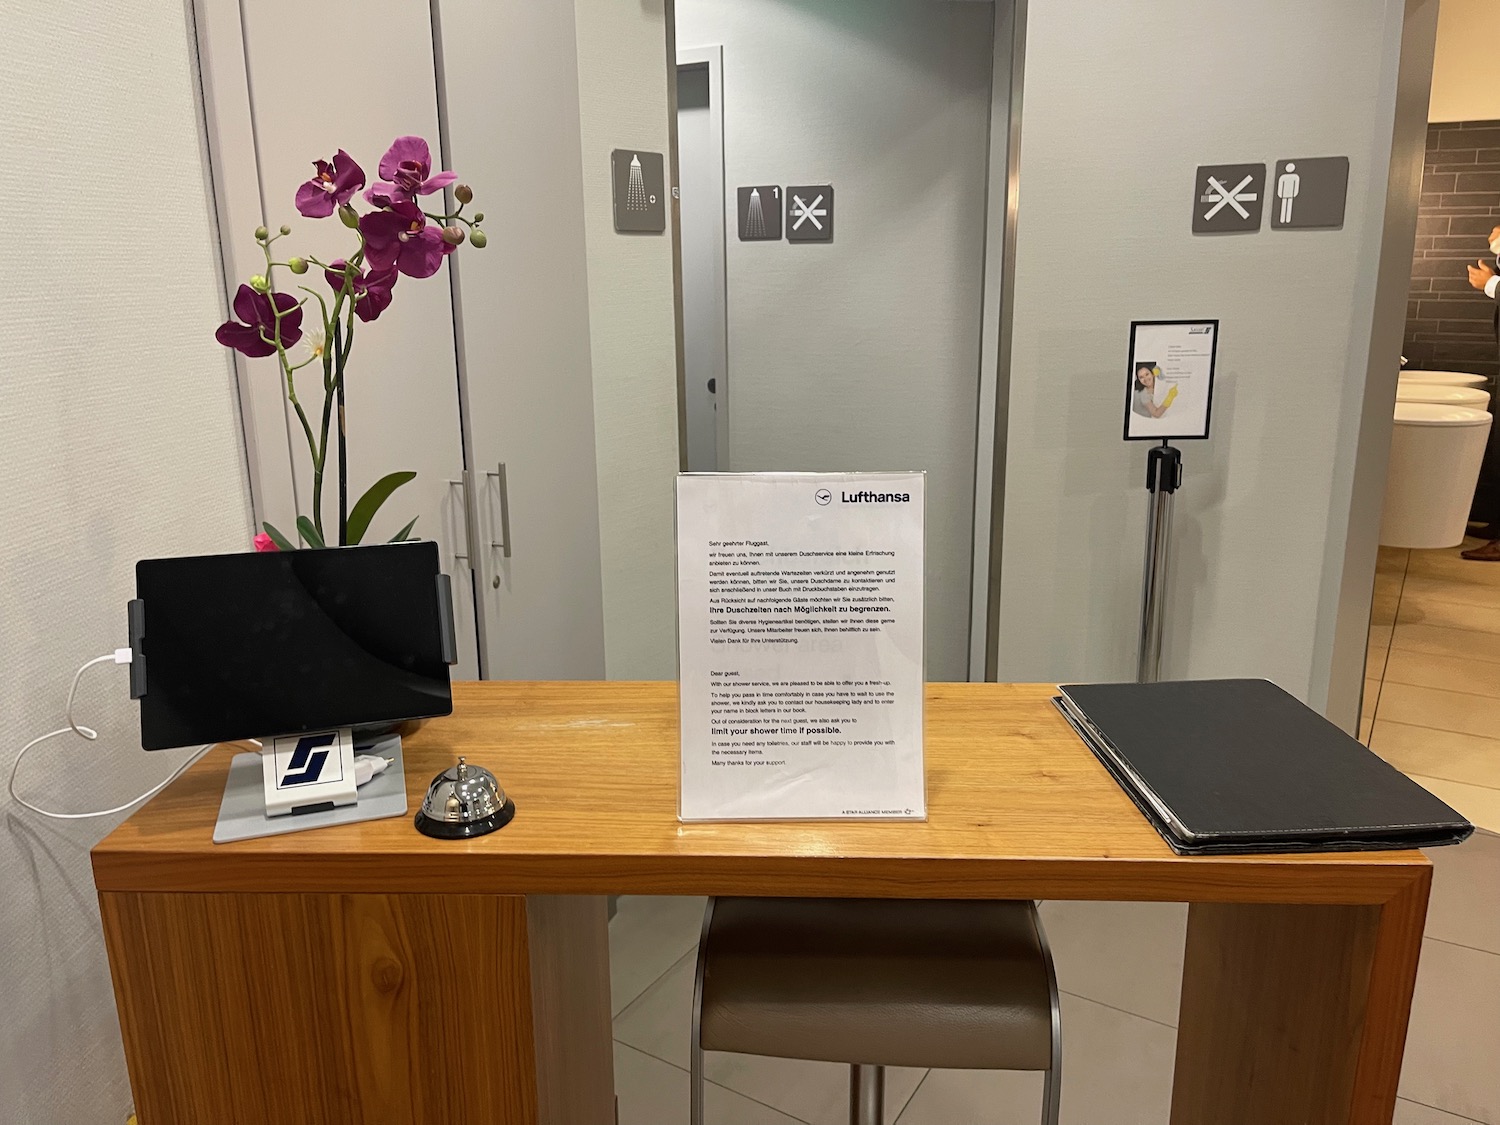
(511, 72)
(120, 441)
(622, 88)
(327, 76)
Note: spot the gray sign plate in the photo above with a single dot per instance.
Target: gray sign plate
(760, 213)
(1227, 198)
(1309, 193)
(639, 189)
(809, 213)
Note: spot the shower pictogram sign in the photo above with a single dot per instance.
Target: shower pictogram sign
(639, 190)
(635, 192)
(760, 213)
(809, 213)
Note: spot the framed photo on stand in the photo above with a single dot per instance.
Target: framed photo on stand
(1169, 384)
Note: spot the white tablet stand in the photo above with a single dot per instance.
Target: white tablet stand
(309, 772)
(302, 773)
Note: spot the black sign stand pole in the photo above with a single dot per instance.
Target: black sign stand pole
(1163, 478)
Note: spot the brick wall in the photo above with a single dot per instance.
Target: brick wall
(1450, 326)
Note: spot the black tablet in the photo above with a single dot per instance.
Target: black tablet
(253, 645)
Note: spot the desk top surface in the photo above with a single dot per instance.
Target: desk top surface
(1018, 807)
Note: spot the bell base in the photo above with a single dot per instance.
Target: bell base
(448, 830)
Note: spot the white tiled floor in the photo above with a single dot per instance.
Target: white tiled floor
(1119, 966)
(1432, 676)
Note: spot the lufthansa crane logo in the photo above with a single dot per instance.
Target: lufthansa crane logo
(307, 760)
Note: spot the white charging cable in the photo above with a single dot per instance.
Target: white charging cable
(119, 656)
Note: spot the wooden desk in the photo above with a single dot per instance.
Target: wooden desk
(348, 976)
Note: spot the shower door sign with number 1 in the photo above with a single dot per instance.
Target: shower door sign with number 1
(799, 602)
(1169, 379)
(759, 213)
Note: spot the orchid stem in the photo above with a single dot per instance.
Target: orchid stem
(343, 357)
(322, 456)
(444, 220)
(288, 368)
(338, 340)
(330, 347)
(291, 394)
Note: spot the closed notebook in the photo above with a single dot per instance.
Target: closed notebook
(1223, 766)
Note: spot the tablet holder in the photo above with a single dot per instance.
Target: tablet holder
(309, 772)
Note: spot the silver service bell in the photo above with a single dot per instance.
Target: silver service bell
(462, 802)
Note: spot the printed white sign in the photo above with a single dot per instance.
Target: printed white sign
(799, 617)
(1170, 384)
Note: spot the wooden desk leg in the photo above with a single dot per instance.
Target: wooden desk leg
(363, 1009)
(1296, 1015)
(575, 1070)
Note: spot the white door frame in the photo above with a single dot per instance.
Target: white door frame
(713, 58)
(994, 348)
(238, 207)
(999, 266)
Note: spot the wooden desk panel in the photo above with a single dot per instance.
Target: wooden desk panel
(1296, 990)
(261, 1008)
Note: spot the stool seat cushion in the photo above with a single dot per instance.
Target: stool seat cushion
(879, 982)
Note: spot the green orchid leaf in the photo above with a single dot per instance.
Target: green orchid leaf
(281, 541)
(308, 532)
(367, 505)
(405, 533)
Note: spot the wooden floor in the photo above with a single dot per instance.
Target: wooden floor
(1432, 680)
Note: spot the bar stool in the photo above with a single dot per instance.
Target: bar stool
(876, 983)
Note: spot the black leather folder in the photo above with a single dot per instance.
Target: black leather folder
(1225, 766)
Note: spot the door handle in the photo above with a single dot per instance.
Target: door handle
(466, 489)
(504, 545)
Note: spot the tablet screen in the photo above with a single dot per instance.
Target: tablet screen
(253, 645)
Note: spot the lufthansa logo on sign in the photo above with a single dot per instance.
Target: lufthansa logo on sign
(306, 764)
(824, 496)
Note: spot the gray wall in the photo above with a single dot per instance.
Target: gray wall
(121, 442)
(1120, 104)
(862, 353)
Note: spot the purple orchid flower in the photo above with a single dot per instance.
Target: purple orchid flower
(401, 238)
(385, 195)
(406, 172)
(372, 291)
(256, 335)
(334, 185)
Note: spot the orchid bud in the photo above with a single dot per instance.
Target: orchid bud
(285, 229)
(479, 216)
(453, 235)
(261, 234)
(297, 265)
(463, 193)
(478, 238)
(349, 216)
(260, 284)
